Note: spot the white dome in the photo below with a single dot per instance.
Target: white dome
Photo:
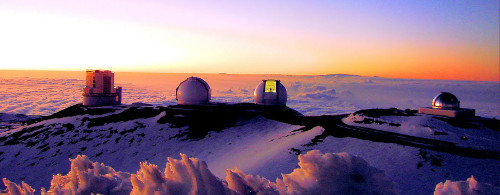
(270, 92)
(193, 91)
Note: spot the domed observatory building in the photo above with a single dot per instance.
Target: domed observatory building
(446, 101)
(193, 91)
(270, 92)
(99, 89)
(447, 104)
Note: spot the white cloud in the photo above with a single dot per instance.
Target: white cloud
(322, 94)
(312, 95)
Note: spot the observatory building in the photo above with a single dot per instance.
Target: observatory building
(99, 89)
(270, 92)
(447, 104)
(193, 91)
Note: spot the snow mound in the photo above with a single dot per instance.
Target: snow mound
(471, 186)
(14, 189)
(185, 176)
(318, 174)
(87, 177)
(476, 132)
(242, 183)
(331, 173)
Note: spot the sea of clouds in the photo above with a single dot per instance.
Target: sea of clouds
(311, 95)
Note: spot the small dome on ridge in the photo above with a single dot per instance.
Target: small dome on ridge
(446, 100)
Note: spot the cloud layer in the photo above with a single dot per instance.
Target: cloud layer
(310, 95)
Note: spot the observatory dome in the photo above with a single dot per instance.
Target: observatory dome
(193, 91)
(270, 92)
(446, 100)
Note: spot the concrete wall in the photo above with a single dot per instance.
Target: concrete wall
(100, 100)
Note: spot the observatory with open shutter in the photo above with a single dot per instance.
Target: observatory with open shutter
(193, 91)
(270, 92)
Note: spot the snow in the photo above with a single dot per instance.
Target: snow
(317, 174)
(262, 149)
(14, 189)
(185, 176)
(331, 173)
(415, 171)
(12, 121)
(87, 177)
(429, 126)
(255, 145)
(471, 186)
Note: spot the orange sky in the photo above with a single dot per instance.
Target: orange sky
(428, 40)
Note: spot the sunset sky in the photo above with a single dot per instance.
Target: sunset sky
(401, 39)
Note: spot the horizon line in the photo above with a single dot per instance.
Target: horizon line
(222, 73)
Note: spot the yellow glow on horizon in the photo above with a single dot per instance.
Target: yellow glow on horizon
(52, 42)
(418, 60)
(43, 41)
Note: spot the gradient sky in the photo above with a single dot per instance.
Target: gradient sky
(402, 39)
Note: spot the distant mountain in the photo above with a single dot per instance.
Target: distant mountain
(415, 151)
(339, 75)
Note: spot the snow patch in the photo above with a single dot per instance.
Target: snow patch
(185, 176)
(14, 189)
(471, 186)
(87, 177)
(331, 173)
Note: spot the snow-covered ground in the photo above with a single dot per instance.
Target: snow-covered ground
(464, 133)
(122, 137)
(256, 145)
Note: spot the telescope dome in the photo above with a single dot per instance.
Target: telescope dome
(270, 92)
(193, 91)
(445, 100)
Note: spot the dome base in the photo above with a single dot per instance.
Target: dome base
(101, 100)
(455, 113)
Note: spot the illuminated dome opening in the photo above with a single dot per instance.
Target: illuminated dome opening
(193, 91)
(270, 92)
(446, 101)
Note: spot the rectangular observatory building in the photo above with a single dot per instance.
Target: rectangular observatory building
(99, 89)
